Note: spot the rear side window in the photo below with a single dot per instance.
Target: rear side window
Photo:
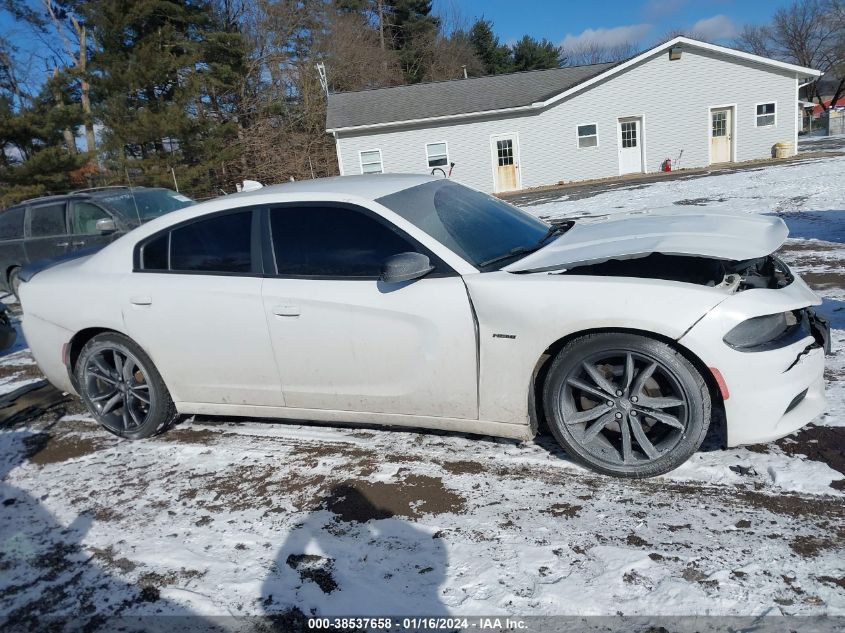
(11, 224)
(217, 245)
(332, 242)
(48, 220)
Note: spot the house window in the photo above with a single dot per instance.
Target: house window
(371, 162)
(504, 152)
(588, 135)
(765, 114)
(437, 154)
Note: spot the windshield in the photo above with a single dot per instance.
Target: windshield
(480, 228)
(151, 203)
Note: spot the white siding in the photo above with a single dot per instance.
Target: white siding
(673, 97)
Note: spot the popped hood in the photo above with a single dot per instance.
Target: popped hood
(728, 237)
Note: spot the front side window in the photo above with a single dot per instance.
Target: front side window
(478, 227)
(765, 114)
(588, 135)
(437, 154)
(11, 224)
(332, 242)
(84, 216)
(371, 162)
(220, 244)
(47, 221)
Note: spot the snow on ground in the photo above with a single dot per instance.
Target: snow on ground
(240, 517)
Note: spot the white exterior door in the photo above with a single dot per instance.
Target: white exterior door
(346, 341)
(505, 154)
(721, 135)
(630, 146)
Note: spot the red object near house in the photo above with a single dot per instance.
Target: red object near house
(666, 165)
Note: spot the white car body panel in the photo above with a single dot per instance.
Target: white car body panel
(540, 309)
(718, 236)
(206, 335)
(425, 353)
(416, 341)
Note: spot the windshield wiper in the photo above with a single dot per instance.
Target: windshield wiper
(525, 250)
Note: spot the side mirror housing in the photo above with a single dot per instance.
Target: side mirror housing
(405, 267)
(106, 225)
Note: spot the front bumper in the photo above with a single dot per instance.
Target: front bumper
(775, 392)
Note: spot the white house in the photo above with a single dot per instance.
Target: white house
(703, 103)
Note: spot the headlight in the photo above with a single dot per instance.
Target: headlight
(760, 330)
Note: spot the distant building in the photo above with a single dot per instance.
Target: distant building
(684, 99)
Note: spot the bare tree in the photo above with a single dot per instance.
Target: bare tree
(809, 33)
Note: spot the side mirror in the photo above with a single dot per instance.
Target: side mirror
(405, 267)
(105, 225)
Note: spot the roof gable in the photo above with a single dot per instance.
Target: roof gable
(477, 96)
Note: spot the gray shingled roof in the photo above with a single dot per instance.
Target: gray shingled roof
(459, 96)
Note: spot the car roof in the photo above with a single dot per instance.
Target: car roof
(87, 194)
(368, 187)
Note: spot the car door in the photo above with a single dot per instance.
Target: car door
(194, 304)
(346, 341)
(83, 226)
(46, 231)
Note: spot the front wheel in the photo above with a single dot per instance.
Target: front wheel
(626, 405)
(122, 388)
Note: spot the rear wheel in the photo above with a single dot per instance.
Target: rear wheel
(122, 388)
(626, 405)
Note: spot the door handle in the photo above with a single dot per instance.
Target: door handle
(286, 311)
(141, 300)
(62, 243)
(78, 243)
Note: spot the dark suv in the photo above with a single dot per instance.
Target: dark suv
(54, 226)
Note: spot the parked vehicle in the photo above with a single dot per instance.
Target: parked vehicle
(414, 301)
(55, 226)
(7, 330)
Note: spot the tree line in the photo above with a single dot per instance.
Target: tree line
(202, 94)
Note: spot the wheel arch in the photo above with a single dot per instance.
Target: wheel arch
(538, 375)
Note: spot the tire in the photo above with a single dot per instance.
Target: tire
(15, 282)
(122, 388)
(626, 405)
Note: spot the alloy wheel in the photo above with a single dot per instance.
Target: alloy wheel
(116, 385)
(624, 407)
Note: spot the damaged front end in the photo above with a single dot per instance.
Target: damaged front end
(733, 276)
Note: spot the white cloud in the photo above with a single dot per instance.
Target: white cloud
(607, 37)
(719, 27)
(659, 8)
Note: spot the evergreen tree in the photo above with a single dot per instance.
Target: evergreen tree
(412, 31)
(532, 54)
(495, 57)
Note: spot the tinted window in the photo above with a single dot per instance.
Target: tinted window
(219, 244)
(155, 253)
(47, 220)
(11, 224)
(332, 242)
(84, 216)
(474, 225)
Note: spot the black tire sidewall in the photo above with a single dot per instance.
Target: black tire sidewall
(691, 381)
(163, 409)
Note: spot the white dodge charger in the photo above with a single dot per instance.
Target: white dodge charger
(413, 301)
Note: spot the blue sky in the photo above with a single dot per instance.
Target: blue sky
(613, 21)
